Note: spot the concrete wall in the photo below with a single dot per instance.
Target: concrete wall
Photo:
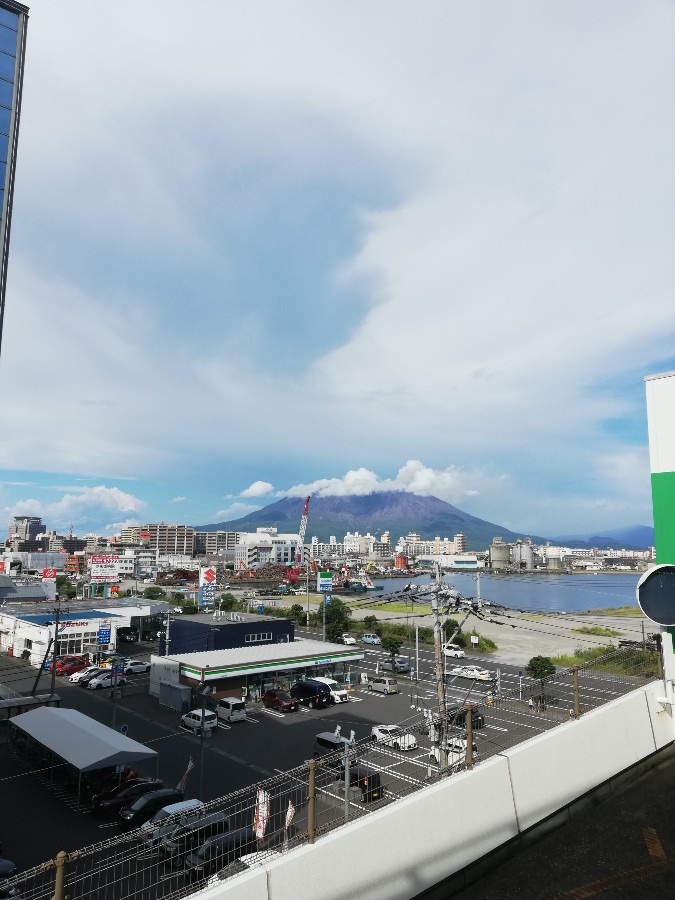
(398, 852)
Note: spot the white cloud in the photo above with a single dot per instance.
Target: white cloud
(258, 489)
(177, 499)
(82, 510)
(235, 511)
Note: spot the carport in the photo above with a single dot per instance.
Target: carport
(80, 741)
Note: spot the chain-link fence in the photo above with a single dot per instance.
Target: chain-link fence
(185, 853)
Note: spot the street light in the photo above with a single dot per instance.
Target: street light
(204, 691)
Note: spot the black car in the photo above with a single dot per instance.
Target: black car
(128, 635)
(218, 852)
(457, 716)
(366, 779)
(109, 802)
(145, 806)
(310, 693)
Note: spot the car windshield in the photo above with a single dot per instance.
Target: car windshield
(282, 695)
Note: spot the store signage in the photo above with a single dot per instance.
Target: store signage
(324, 581)
(105, 569)
(49, 574)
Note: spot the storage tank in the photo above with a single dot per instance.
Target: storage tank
(500, 556)
(401, 562)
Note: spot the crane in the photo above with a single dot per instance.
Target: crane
(292, 574)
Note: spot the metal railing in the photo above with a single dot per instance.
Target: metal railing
(305, 803)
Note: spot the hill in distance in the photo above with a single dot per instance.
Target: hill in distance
(397, 512)
(633, 537)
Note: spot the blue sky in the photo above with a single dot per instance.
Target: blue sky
(287, 247)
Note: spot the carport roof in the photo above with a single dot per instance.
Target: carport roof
(79, 740)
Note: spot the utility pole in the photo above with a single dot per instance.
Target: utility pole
(438, 670)
(57, 613)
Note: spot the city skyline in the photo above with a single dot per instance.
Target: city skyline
(301, 250)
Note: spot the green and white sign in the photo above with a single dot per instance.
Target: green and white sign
(324, 581)
(661, 423)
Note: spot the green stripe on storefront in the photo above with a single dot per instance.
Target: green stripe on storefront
(267, 666)
(663, 502)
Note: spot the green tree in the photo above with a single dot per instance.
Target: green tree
(540, 667)
(391, 643)
(370, 623)
(297, 613)
(154, 592)
(65, 588)
(337, 618)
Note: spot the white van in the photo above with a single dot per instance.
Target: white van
(338, 694)
(384, 685)
(164, 821)
(231, 709)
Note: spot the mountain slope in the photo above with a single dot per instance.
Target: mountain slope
(395, 511)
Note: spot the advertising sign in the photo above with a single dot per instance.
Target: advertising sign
(207, 575)
(105, 569)
(49, 574)
(324, 581)
(261, 814)
(103, 636)
(2, 566)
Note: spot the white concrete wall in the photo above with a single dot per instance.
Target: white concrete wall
(397, 852)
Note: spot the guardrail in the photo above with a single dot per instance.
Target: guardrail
(305, 803)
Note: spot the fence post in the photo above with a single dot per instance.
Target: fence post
(60, 874)
(575, 692)
(659, 653)
(469, 736)
(311, 801)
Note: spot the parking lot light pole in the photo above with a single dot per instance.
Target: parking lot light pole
(204, 691)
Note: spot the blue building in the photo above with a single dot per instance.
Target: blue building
(13, 21)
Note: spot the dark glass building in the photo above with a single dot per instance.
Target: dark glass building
(13, 21)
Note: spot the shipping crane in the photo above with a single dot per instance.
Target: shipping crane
(292, 574)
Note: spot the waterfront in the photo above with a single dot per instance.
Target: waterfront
(534, 592)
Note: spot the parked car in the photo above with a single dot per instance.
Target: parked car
(115, 661)
(85, 680)
(189, 835)
(71, 664)
(348, 639)
(399, 664)
(457, 716)
(368, 781)
(144, 807)
(311, 693)
(231, 709)
(89, 672)
(456, 747)
(110, 801)
(218, 852)
(475, 673)
(127, 634)
(106, 679)
(369, 638)
(454, 650)
(338, 694)
(165, 820)
(329, 744)
(393, 736)
(383, 685)
(281, 700)
(136, 667)
(195, 720)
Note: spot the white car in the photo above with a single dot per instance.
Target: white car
(106, 680)
(193, 720)
(393, 736)
(75, 677)
(478, 674)
(456, 748)
(454, 650)
(338, 694)
(348, 639)
(136, 666)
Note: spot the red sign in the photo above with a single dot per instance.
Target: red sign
(49, 574)
(209, 575)
(145, 535)
(2, 565)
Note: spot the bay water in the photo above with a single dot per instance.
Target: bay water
(534, 591)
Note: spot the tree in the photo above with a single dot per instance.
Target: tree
(391, 643)
(337, 618)
(297, 613)
(154, 592)
(65, 588)
(370, 623)
(540, 667)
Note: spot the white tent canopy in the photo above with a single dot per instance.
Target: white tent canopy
(83, 742)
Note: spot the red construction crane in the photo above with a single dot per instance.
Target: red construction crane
(292, 574)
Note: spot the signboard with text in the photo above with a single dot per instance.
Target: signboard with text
(105, 569)
(324, 581)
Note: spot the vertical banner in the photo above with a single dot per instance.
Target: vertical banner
(207, 586)
(262, 813)
(661, 425)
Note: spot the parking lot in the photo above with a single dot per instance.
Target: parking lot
(265, 745)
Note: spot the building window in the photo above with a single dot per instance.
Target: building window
(258, 638)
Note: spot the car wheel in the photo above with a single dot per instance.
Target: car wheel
(312, 704)
(397, 746)
(99, 687)
(147, 668)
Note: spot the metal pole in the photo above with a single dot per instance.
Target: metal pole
(56, 633)
(59, 880)
(201, 749)
(575, 691)
(347, 774)
(325, 597)
(307, 591)
(417, 661)
(311, 801)
(440, 683)
(469, 736)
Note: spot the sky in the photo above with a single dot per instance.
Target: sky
(271, 249)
